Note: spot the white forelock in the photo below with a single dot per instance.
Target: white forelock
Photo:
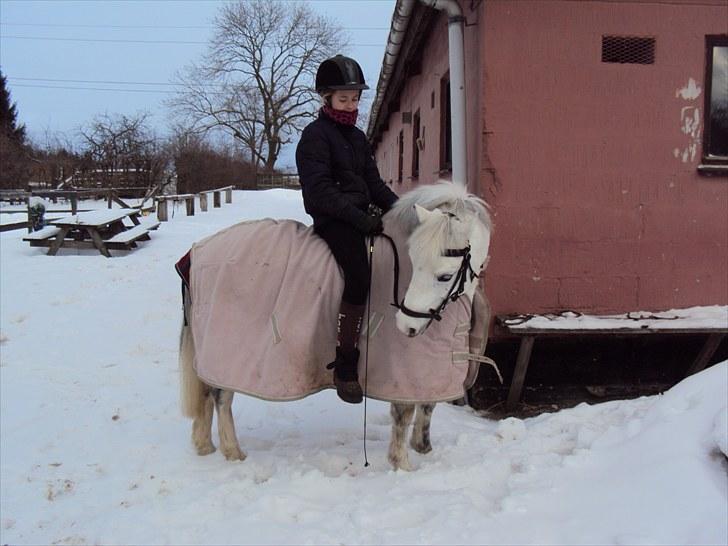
(444, 195)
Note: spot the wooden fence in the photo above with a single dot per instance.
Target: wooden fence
(71, 197)
(189, 200)
(264, 181)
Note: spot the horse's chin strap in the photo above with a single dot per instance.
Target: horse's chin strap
(456, 289)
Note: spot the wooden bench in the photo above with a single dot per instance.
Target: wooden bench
(126, 240)
(151, 226)
(551, 326)
(42, 237)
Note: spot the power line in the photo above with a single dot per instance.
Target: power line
(102, 40)
(130, 90)
(92, 88)
(133, 41)
(63, 25)
(147, 27)
(111, 82)
(223, 1)
(59, 25)
(106, 82)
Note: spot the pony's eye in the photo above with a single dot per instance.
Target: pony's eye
(444, 278)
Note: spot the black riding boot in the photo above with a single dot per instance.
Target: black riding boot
(346, 376)
(346, 372)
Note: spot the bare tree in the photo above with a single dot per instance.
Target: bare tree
(123, 151)
(202, 164)
(55, 158)
(256, 80)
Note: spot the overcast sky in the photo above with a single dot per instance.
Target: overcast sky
(67, 61)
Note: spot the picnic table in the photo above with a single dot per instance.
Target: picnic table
(100, 229)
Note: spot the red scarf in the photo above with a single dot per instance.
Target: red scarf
(340, 116)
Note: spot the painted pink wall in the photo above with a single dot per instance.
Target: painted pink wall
(594, 211)
(417, 93)
(582, 161)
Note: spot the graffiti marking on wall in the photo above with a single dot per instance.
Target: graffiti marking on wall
(690, 92)
(690, 126)
(689, 122)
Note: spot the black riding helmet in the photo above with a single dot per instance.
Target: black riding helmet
(340, 73)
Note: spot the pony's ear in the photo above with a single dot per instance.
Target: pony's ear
(423, 214)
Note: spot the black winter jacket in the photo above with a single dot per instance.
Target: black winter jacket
(339, 177)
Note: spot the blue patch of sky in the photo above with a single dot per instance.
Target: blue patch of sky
(67, 61)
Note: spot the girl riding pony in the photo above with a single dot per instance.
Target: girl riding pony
(341, 187)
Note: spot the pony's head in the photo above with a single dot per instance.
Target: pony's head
(449, 236)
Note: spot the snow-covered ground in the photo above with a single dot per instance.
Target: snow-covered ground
(94, 450)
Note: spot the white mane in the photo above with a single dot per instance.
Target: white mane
(446, 196)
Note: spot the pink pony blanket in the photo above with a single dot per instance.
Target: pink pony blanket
(265, 296)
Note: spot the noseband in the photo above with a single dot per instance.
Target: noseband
(457, 288)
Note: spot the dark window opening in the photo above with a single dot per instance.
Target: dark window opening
(715, 135)
(401, 157)
(416, 145)
(445, 125)
(628, 49)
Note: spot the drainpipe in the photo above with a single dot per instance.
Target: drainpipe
(455, 23)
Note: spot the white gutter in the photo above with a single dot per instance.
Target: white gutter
(456, 21)
(456, 54)
(400, 19)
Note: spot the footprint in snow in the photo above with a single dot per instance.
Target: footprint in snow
(59, 487)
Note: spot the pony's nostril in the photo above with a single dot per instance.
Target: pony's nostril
(411, 332)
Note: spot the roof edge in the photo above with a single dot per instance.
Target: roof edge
(400, 21)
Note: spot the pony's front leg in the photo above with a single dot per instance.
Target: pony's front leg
(401, 417)
(226, 426)
(420, 439)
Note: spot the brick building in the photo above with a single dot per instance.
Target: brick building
(596, 130)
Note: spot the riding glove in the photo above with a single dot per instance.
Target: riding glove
(372, 225)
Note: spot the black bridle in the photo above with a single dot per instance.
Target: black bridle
(457, 288)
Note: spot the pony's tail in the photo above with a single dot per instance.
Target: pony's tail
(192, 390)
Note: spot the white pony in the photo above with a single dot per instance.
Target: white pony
(448, 236)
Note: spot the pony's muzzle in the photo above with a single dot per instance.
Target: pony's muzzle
(411, 327)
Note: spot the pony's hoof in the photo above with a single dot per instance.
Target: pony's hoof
(205, 449)
(400, 464)
(234, 455)
(421, 447)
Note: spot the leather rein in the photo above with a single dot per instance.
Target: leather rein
(457, 288)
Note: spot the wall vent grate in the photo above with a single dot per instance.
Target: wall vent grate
(628, 49)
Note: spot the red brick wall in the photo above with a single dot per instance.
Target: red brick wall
(582, 161)
(594, 211)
